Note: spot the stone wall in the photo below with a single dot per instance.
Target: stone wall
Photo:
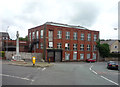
(24, 55)
(111, 59)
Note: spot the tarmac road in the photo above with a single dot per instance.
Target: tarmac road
(74, 73)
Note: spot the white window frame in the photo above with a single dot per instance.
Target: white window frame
(59, 34)
(67, 56)
(82, 47)
(37, 34)
(94, 56)
(95, 37)
(41, 45)
(82, 36)
(30, 36)
(59, 45)
(88, 56)
(33, 35)
(50, 45)
(67, 35)
(41, 33)
(67, 46)
(89, 37)
(115, 46)
(81, 56)
(75, 36)
(88, 47)
(75, 47)
(74, 55)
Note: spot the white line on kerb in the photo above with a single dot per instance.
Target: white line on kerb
(16, 77)
(43, 69)
(109, 80)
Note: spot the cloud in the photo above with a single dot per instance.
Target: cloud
(85, 13)
(24, 14)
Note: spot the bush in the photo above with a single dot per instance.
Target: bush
(114, 55)
(2, 54)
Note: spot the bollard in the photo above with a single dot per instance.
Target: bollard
(33, 60)
(48, 60)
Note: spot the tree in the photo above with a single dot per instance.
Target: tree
(23, 39)
(103, 49)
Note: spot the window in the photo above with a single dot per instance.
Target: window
(75, 47)
(67, 46)
(59, 34)
(89, 37)
(30, 36)
(82, 47)
(81, 56)
(94, 47)
(95, 37)
(41, 45)
(50, 35)
(88, 56)
(82, 36)
(75, 56)
(88, 47)
(50, 44)
(59, 45)
(36, 34)
(115, 46)
(75, 35)
(67, 35)
(37, 46)
(41, 33)
(33, 35)
(94, 56)
(67, 56)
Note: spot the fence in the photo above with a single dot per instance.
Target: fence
(24, 55)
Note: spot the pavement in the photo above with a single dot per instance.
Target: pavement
(28, 63)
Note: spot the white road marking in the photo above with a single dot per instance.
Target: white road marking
(92, 70)
(109, 80)
(91, 67)
(43, 69)
(16, 77)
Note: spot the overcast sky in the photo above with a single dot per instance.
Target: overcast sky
(20, 15)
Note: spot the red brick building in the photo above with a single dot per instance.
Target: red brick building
(10, 45)
(62, 42)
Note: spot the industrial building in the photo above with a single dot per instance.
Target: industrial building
(63, 42)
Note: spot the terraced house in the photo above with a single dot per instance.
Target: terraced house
(63, 42)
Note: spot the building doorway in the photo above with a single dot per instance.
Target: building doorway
(54, 55)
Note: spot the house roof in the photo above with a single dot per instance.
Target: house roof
(110, 42)
(4, 34)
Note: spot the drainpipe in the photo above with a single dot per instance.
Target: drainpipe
(44, 49)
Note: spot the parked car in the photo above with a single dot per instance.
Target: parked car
(112, 65)
(90, 60)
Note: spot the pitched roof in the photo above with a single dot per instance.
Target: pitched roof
(108, 42)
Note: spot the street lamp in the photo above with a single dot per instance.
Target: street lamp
(7, 39)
